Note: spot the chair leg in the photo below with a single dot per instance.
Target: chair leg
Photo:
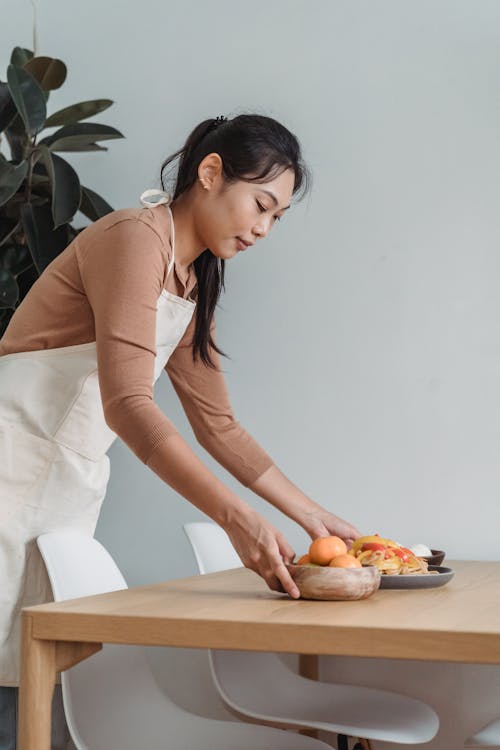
(342, 742)
(362, 745)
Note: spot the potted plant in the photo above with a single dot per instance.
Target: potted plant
(40, 192)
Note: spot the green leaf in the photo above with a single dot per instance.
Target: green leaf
(43, 153)
(48, 71)
(77, 112)
(19, 199)
(45, 242)
(28, 98)
(9, 291)
(7, 107)
(15, 258)
(92, 205)
(26, 280)
(31, 231)
(67, 194)
(66, 191)
(76, 143)
(92, 131)
(20, 56)
(17, 138)
(11, 178)
(39, 180)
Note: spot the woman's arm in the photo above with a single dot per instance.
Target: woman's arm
(203, 394)
(205, 399)
(259, 545)
(278, 490)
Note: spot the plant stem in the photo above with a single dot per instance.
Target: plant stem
(29, 176)
(13, 231)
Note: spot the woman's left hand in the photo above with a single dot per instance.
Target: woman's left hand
(278, 490)
(320, 522)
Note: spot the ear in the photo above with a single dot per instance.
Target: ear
(210, 170)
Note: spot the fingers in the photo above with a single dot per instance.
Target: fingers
(287, 552)
(281, 581)
(286, 581)
(275, 573)
(353, 533)
(275, 584)
(264, 550)
(344, 530)
(281, 571)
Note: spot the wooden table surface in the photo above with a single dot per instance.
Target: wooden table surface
(234, 609)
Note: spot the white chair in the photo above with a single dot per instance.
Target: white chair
(260, 687)
(111, 700)
(488, 736)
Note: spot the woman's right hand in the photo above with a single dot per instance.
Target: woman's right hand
(263, 549)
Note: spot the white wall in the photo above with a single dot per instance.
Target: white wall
(364, 330)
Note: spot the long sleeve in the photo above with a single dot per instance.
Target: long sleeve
(123, 268)
(205, 400)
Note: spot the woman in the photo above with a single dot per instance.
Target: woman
(134, 294)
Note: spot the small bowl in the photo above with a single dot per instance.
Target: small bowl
(436, 558)
(335, 584)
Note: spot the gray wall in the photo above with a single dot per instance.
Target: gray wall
(363, 332)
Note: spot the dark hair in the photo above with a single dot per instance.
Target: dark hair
(253, 148)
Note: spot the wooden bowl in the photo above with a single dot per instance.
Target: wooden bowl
(436, 558)
(335, 584)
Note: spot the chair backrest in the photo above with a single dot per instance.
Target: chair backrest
(214, 552)
(78, 565)
(212, 547)
(100, 693)
(111, 700)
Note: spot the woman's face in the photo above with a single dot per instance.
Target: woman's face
(229, 218)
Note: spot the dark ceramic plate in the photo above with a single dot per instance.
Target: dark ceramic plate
(444, 575)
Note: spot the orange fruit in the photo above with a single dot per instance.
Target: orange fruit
(303, 560)
(345, 561)
(325, 548)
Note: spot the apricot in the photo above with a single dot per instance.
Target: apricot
(303, 560)
(325, 548)
(345, 561)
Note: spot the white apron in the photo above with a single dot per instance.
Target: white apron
(54, 469)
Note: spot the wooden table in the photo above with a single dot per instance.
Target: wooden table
(459, 622)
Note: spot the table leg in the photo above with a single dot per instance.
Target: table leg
(38, 674)
(309, 666)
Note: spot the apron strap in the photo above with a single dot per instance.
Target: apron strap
(165, 198)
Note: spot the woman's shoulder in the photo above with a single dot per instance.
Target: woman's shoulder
(149, 220)
(132, 223)
(124, 239)
(157, 219)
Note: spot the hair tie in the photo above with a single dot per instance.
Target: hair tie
(214, 124)
(163, 197)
